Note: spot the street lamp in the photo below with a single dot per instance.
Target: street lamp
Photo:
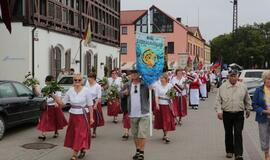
(251, 58)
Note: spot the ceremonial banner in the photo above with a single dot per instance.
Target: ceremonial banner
(149, 56)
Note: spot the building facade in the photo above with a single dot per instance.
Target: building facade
(173, 31)
(196, 45)
(47, 36)
(207, 54)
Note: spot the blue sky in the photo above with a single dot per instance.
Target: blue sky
(215, 16)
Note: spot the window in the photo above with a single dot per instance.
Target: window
(18, 8)
(253, 74)
(51, 9)
(65, 16)
(123, 49)
(42, 8)
(124, 30)
(58, 13)
(141, 24)
(6, 90)
(171, 47)
(22, 90)
(160, 23)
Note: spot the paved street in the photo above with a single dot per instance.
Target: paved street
(201, 137)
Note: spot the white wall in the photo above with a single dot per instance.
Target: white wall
(15, 51)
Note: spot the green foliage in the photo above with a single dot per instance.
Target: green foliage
(104, 81)
(94, 69)
(29, 82)
(112, 93)
(171, 93)
(249, 46)
(52, 87)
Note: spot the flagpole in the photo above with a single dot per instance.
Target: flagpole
(150, 90)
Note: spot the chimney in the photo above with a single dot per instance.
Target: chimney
(179, 19)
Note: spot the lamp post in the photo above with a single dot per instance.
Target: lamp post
(251, 58)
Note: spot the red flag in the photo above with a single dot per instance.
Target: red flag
(5, 14)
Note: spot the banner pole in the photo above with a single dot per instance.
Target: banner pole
(151, 114)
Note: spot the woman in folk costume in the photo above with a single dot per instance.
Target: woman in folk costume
(194, 94)
(203, 86)
(95, 91)
(78, 135)
(52, 118)
(114, 107)
(179, 83)
(164, 115)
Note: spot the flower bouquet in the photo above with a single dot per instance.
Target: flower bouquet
(171, 93)
(30, 81)
(112, 97)
(112, 93)
(51, 88)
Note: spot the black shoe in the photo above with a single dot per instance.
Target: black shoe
(140, 158)
(239, 158)
(125, 137)
(82, 154)
(136, 156)
(229, 155)
(166, 140)
(43, 137)
(55, 135)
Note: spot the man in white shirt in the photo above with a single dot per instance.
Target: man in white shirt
(137, 94)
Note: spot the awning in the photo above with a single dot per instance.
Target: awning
(128, 66)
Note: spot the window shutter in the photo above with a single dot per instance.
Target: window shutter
(52, 62)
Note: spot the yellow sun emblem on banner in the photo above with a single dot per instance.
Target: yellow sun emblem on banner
(149, 58)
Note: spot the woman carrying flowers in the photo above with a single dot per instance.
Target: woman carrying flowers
(52, 117)
(164, 115)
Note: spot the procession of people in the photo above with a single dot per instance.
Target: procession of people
(172, 94)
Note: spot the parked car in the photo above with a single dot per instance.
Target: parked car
(252, 85)
(251, 75)
(18, 105)
(67, 81)
(252, 78)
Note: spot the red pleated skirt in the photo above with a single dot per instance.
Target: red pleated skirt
(78, 134)
(98, 117)
(126, 121)
(164, 119)
(51, 119)
(113, 108)
(180, 106)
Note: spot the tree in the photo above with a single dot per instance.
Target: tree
(249, 46)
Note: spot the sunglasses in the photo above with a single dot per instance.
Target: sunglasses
(135, 90)
(77, 80)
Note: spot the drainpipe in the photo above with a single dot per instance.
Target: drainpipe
(80, 21)
(33, 39)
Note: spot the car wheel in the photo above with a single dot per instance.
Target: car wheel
(2, 127)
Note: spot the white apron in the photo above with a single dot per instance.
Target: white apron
(203, 90)
(194, 97)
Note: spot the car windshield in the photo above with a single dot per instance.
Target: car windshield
(254, 74)
(69, 81)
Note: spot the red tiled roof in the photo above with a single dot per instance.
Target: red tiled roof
(129, 17)
(193, 30)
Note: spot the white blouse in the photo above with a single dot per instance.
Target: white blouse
(83, 99)
(117, 82)
(181, 84)
(161, 91)
(95, 90)
(50, 101)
